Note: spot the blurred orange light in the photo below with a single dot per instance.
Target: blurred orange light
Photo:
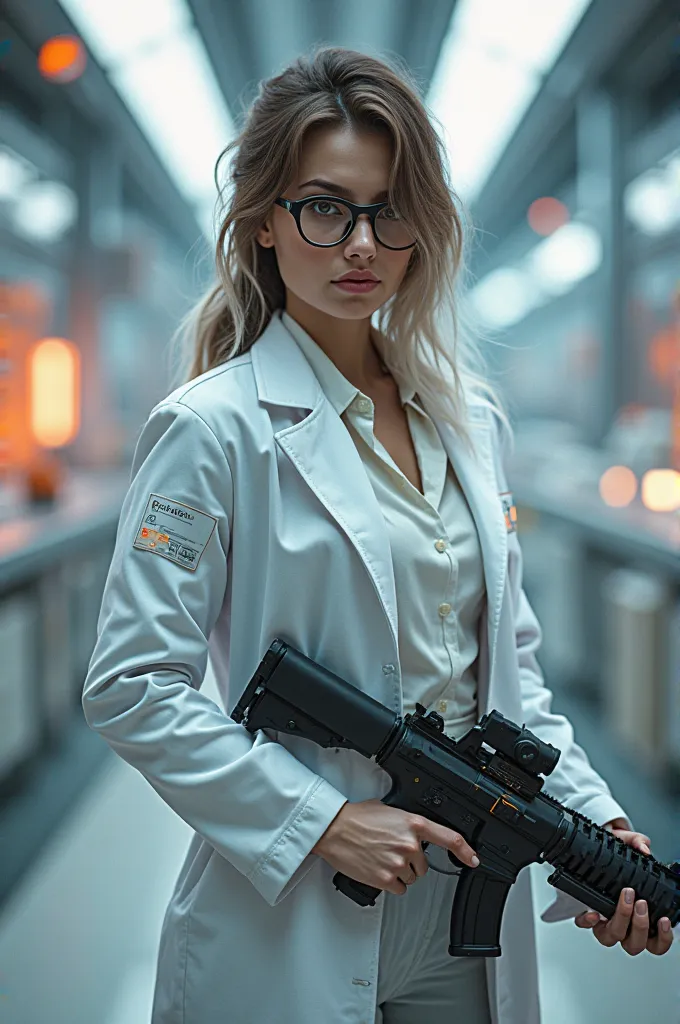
(546, 215)
(630, 412)
(62, 58)
(661, 490)
(54, 374)
(618, 486)
(662, 355)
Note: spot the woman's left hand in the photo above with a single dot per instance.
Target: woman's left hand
(630, 923)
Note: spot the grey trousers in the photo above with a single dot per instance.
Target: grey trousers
(418, 981)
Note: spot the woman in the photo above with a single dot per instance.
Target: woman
(333, 485)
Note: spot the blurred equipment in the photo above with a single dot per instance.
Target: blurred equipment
(19, 723)
(673, 702)
(635, 669)
(44, 478)
(641, 439)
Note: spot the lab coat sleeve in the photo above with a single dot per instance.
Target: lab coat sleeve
(249, 797)
(574, 782)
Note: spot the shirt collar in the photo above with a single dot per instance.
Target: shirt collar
(339, 391)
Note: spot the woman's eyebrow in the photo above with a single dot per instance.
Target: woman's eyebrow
(331, 186)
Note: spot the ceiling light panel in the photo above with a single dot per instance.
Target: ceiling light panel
(117, 32)
(492, 63)
(155, 58)
(174, 96)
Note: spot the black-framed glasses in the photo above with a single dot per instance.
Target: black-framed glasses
(330, 226)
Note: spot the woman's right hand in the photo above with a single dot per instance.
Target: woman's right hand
(380, 845)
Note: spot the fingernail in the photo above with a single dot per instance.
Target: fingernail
(628, 895)
(640, 907)
(475, 862)
(665, 925)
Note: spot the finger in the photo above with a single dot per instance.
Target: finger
(419, 864)
(450, 840)
(636, 941)
(663, 940)
(587, 920)
(608, 933)
(463, 851)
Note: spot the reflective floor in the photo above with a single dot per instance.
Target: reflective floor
(78, 937)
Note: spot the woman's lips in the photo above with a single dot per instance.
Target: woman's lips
(356, 286)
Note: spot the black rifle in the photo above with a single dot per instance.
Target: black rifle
(492, 798)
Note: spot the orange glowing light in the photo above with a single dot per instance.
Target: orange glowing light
(631, 412)
(662, 354)
(618, 486)
(661, 490)
(546, 215)
(62, 58)
(54, 375)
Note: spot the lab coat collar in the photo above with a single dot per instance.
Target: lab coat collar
(339, 391)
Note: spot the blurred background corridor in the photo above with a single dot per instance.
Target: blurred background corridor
(566, 150)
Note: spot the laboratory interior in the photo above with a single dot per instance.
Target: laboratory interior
(561, 124)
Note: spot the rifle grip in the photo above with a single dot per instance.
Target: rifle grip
(477, 912)
(358, 891)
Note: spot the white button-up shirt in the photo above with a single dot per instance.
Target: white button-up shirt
(436, 555)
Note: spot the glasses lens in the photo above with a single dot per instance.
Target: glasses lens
(391, 230)
(326, 221)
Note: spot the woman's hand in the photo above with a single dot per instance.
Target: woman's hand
(628, 925)
(382, 846)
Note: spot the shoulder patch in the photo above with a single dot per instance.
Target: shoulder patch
(174, 530)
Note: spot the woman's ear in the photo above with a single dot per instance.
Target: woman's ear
(264, 235)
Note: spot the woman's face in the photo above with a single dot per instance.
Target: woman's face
(360, 165)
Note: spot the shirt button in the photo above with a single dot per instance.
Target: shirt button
(363, 405)
(440, 545)
(442, 706)
(387, 669)
(444, 609)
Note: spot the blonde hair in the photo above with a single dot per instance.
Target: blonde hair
(338, 86)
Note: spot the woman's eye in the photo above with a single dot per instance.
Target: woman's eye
(323, 202)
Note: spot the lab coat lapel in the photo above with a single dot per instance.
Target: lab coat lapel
(321, 449)
(323, 452)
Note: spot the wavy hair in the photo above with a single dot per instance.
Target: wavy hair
(424, 338)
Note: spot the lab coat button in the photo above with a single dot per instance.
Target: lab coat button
(387, 669)
(444, 609)
(442, 706)
(440, 545)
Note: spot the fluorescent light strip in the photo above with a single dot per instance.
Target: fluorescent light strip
(491, 65)
(155, 58)
(116, 32)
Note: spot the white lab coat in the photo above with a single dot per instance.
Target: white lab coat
(255, 931)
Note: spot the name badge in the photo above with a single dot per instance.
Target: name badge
(509, 511)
